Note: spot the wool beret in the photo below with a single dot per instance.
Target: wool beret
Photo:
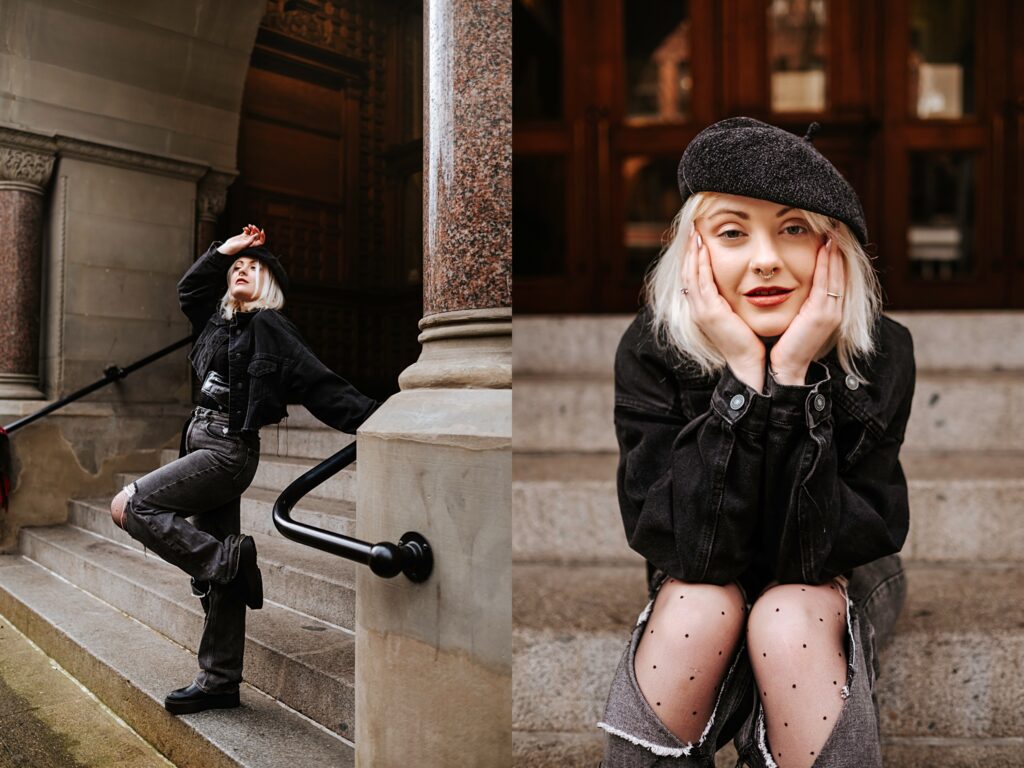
(743, 156)
(271, 262)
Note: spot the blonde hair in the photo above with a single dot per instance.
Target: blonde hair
(674, 325)
(270, 295)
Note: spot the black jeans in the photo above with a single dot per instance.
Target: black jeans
(204, 485)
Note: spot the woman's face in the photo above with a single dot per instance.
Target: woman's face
(762, 257)
(243, 279)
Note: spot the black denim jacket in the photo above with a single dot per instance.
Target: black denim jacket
(719, 483)
(269, 363)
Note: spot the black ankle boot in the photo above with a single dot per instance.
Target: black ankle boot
(192, 698)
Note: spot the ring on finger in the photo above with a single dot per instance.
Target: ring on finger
(834, 295)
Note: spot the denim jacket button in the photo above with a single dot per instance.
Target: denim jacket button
(851, 382)
(737, 402)
(819, 402)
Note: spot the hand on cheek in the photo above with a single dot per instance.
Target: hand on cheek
(816, 322)
(742, 349)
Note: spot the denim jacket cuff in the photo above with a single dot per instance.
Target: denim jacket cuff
(794, 404)
(740, 404)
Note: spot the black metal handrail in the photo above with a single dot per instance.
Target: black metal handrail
(110, 375)
(411, 556)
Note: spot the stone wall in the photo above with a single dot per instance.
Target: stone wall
(133, 107)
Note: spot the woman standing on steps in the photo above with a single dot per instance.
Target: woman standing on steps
(760, 404)
(252, 362)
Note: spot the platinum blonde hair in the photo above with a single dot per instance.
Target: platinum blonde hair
(674, 325)
(269, 296)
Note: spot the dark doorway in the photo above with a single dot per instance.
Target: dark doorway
(329, 159)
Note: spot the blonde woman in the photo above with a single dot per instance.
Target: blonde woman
(760, 404)
(252, 362)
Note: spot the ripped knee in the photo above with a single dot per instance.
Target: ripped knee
(119, 505)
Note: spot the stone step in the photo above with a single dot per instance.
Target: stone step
(131, 667)
(948, 675)
(305, 663)
(294, 575)
(301, 435)
(275, 473)
(964, 506)
(584, 345)
(963, 410)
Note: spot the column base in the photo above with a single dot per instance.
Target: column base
(20, 386)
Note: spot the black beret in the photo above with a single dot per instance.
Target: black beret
(743, 156)
(268, 259)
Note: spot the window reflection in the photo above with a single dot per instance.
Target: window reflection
(941, 64)
(659, 82)
(797, 49)
(652, 200)
(538, 216)
(941, 232)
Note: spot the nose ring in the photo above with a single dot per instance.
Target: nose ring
(763, 276)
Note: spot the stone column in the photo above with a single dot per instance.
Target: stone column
(26, 163)
(211, 199)
(433, 660)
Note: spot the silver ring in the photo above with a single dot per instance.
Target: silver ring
(685, 291)
(834, 295)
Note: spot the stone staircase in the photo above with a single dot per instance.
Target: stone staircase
(126, 625)
(951, 690)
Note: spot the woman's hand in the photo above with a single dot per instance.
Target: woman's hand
(742, 350)
(251, 236)
(816, 322)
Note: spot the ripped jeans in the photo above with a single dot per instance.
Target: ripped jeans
(638, 739)
(205, 484)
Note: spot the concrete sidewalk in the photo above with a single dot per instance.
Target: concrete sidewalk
(48, 721)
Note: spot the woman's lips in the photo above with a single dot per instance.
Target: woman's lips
(767, 299)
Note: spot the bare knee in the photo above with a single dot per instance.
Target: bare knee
(790, 616)
(681, 606)
(117, 506)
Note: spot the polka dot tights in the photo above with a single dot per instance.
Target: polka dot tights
(795, 639)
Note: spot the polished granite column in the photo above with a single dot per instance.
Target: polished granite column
(433, 660)
(24, 174)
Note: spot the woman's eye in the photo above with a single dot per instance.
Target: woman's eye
(726, 234)
(796, 226)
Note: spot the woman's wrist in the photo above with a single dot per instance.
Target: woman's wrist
(788, 373)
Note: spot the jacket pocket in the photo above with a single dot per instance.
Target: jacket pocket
(262, 365)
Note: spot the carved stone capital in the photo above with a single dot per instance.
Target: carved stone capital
(212, 194)
(25, 168)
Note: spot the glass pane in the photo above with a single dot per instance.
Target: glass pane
(797, 51)
(659, 83)
(536, 60)
(941, 77)
(538, 216)
(941, 234)
(652, 200)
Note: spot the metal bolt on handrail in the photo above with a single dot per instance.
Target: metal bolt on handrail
(411, 556)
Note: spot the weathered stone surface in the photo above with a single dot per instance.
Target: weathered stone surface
(130, 668)
(50, 722)
(437, 461)
(295, 658)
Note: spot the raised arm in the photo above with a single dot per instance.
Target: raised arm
(205, 282)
